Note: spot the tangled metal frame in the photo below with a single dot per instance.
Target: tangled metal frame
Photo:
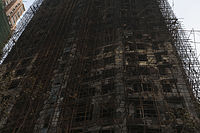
(186, 52)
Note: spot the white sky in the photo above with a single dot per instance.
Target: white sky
(28, 3)
(187, 12)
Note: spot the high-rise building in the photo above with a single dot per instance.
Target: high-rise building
(98, 66)
(14, 9)
(4, 27)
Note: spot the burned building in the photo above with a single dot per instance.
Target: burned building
(98, 66)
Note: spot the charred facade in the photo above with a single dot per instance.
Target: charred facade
(96, 66)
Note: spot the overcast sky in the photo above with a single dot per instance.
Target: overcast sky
(187, 11)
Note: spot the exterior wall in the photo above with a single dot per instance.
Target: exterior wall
(14, 9)
(4, 27)
(103, 66)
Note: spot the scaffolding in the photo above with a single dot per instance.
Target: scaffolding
(186, 52)
(96, 66)
(20, 27)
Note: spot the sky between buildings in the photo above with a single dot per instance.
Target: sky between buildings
(187, 11)
(28, 3)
